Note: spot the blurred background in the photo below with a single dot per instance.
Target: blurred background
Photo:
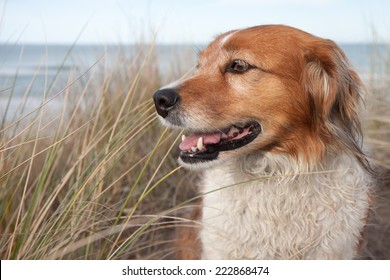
(175, 21)
(86, 170)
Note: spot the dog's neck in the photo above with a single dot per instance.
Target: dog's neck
(274, 207)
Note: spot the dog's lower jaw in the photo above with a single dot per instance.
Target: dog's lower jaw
(282, 215)
(224, 158)
(202, 165)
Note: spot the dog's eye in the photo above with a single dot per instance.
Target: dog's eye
(237, 67)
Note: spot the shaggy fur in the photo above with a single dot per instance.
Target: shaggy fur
(275, 209)
(301, 189)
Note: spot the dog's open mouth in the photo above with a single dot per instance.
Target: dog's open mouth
(200, 147)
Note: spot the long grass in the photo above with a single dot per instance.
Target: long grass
(377, 136)
(92, 179)
(90, 174)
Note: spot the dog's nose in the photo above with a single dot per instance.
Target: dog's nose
(165, 100)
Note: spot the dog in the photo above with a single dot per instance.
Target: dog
(274, 119)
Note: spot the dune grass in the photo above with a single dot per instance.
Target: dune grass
(96, 177)
(93, 179)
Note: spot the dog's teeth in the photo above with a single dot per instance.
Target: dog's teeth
(199, 145)
(193, 149)
(224, 136)
(183, 137)
(232, 131)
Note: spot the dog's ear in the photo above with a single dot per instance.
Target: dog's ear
(332, 85)
(335, 91)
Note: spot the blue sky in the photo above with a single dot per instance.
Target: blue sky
(186, 21)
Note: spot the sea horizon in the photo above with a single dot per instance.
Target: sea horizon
(21, 64)
(21, 55)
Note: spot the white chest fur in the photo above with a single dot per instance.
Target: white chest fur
(268, 209)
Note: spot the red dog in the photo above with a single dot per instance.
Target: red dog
(273, 114)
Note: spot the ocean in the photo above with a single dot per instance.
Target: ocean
(19, 65)
(33, 67)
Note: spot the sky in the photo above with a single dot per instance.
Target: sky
(186, 21)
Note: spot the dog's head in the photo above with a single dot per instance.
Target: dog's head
(269, 89)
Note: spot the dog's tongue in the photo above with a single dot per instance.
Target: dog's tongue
(192, 140)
